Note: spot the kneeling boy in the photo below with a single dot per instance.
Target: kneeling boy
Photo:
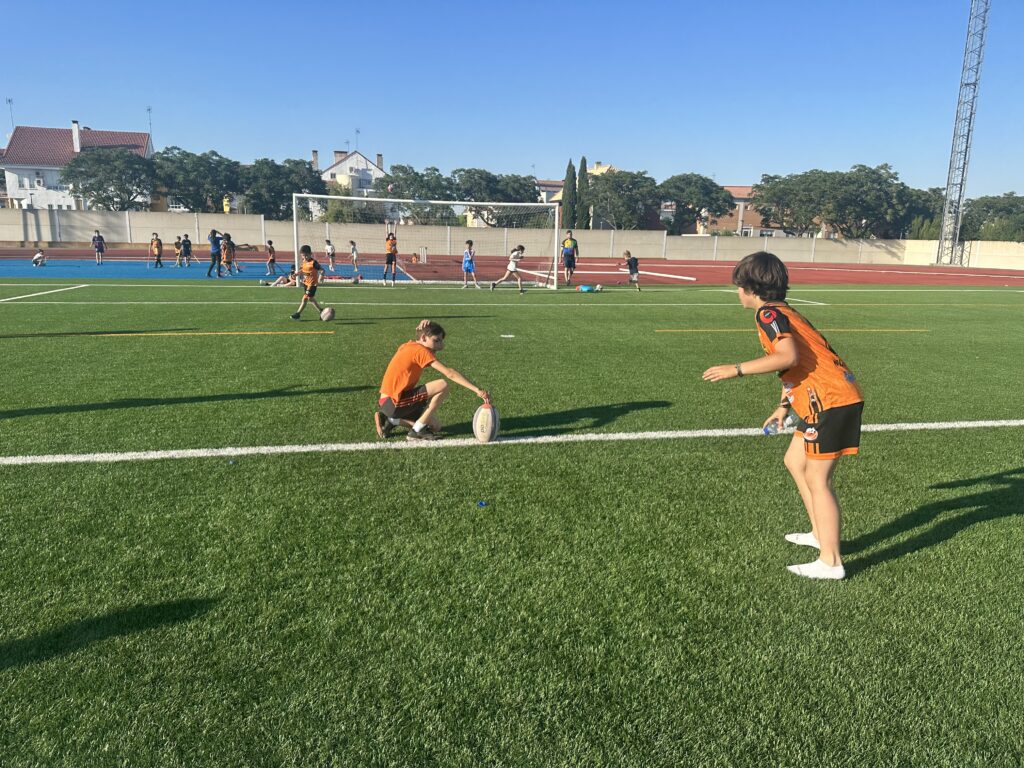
(403, 401)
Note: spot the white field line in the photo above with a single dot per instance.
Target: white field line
(587, 437)
(807, 301)
(43, 293)
(620, 272)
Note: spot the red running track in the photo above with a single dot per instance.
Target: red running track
(607, 271)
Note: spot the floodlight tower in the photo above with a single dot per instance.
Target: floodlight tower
(951, 250)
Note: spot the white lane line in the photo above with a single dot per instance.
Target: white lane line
(43, 293)
(587, 437)
(807, 301)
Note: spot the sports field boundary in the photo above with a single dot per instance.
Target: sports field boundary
(586, 437)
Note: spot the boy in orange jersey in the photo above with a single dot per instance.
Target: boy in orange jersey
(390, 257)
(818, 386)
(309, 273)
(403, 401)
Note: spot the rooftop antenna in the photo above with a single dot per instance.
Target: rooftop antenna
(951, 250)
(357, 139)
(346, 146)
(149, 114)
(10, 106)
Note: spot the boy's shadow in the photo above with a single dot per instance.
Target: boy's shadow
(1003, 500)
(84, 632)
(562, 422)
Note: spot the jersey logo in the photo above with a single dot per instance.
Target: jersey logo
(810, 435)
(768, 315)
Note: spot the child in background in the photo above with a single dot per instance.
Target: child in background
(818, 386)
(186, 250)
(227, 253)
(99, 245)
(156, 248)
(271, 258)
(390, 257)
(634, 268)
(469, 265)
(403, 401)
(177, 251)
(39, 260)
(331, 251)
(512, 270)
(355, 255)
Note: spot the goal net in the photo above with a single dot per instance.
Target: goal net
(430, 238)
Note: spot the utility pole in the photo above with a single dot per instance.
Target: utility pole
(951, 250)
(149, 114)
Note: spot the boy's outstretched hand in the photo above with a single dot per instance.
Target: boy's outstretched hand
(720, 372)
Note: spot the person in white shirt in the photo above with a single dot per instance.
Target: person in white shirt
(355, 255)
(512, 270)
(39, 260)
(331, 250)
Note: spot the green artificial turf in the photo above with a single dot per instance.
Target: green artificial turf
(617, 603)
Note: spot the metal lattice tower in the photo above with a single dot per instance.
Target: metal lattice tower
(951, 250)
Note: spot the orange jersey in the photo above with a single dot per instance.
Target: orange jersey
(310, 272)
(156, 247)
(391, 246)
(404, 369)
(820, 380)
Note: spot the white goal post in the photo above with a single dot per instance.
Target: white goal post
(431, 234)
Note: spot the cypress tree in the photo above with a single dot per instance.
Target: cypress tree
(583, 196)
(569, 197)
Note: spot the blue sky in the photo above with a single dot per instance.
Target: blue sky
(729, 90)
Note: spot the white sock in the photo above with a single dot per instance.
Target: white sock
(803, 539)
(418, 426)
(394, 422)
(818, 570)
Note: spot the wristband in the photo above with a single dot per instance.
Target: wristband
(739, 370)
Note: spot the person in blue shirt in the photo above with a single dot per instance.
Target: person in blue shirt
(215, 240)
(469, 265)
(99, 245)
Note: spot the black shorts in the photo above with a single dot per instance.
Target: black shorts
(389, 259)
(215, 258)
(410, 406)
(310, 291)
(832, 433)
(569, 262)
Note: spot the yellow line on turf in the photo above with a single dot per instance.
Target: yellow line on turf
(222, 333)
(828, 330)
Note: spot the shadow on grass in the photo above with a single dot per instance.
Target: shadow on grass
(57, 335)
(147, 402)
(80, 634)
(998, 495)
(563, 422)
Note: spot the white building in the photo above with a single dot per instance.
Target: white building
(34, 158)
(352, 171)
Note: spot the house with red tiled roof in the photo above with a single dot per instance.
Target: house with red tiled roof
(34, 158)
(352, 171)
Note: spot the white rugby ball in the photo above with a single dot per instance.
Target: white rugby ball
(486, 423)
(327, 315)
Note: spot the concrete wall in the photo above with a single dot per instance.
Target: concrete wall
(19, 228)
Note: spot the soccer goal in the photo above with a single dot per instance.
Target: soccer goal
(430, 237)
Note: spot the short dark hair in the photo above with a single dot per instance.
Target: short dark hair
(430, 329)
(306, 251)
(270, 242)
(762, 274)
(469, 242)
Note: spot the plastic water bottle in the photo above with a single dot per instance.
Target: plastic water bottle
(773, 427)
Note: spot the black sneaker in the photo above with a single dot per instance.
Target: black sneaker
(492, 286)
(296, 316)
(384, 427)
(424, 434)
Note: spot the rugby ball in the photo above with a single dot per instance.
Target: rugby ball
(391, 187)
(598, 287)
(486, 423)
(327, 315)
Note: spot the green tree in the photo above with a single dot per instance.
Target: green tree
(478, 184)
(994, 217)
(111, 179)
(793, 202)
(269, 186)
(625, 200)
(696, 198)
(569, 197)
(408, 183)
(200, 182)
(583, 200)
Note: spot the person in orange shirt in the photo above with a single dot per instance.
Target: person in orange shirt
(390, 257)
(156, 247)
(403, 401)
(819, 388)
(309, 273)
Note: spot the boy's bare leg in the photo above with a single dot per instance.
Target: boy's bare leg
(825, 508)
(796, 463)
(437, 390)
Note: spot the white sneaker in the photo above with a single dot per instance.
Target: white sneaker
(818, 570)
(464, 287)
(803, 539)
